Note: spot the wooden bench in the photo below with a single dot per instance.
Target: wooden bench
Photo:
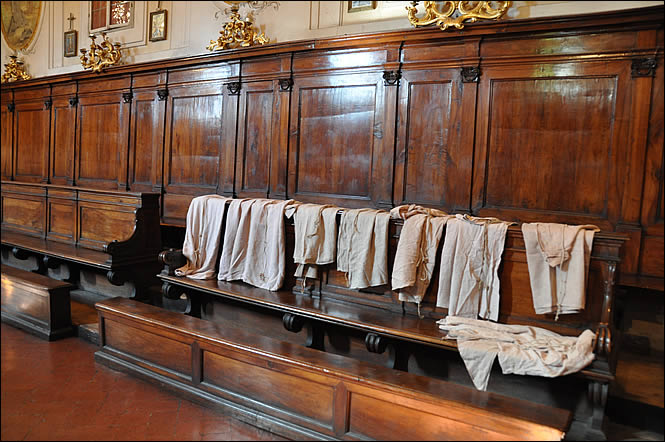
(373, 326)
(302, 393)
(36, 303)
(105, 241)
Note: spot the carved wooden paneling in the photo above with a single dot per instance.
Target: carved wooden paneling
(102, 140)
(435, 139)
(550, 142)
(63, 136)
(147, 133)
(651, 259)
(7, 134)
(338, 140)
(32, 122)
(193, 144)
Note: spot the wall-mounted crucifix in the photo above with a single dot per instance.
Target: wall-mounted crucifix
(71, 39)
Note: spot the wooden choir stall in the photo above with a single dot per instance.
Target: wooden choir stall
(551, 120)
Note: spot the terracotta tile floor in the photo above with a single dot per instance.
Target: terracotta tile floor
(56, 391)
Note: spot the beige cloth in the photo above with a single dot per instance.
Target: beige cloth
(362, 247)
(254, 245)
(315, 227)
(202, 236)
(469, 275)
(416, 250)
(521, 349)
(558, 256)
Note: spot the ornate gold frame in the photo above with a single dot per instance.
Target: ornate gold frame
(444, 17)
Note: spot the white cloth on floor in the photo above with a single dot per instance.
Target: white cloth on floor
(362, 247)
(254, 245)
(469, 275)
(202, 236)
(315, 227)
(416, 250)
(557, 256)
(521, 349)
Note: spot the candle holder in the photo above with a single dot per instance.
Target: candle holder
(446, 14)
(14, 71)
(237, 31)
(100, 55)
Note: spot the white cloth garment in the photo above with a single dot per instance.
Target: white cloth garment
(416, 250)
(521, 349)
(254, 245)
(469, 275)
(315, 227)
(202, 236)
(362, 247)
(557, 256)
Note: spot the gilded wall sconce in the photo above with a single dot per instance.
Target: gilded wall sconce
(448, 14)
(14, 70)
(101, 55)
(238, 32)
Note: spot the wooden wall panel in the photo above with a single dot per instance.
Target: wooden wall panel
(63, 136)
(6, 134)
(434, 152)
(147, 141)
(102, 140)
(337, 140)
(32, 122)
(193, 143)
(550, 142)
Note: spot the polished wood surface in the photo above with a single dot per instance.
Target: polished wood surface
(312, 392)
(447, 120)
(36, 303)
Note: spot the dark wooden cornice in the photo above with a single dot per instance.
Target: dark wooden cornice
(632, 19)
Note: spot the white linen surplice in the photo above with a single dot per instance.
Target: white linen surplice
(315, 227)
(202, 237)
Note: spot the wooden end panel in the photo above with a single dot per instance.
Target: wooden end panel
(21, 299)
(23, 213)
(100, 224)
(269, 386)
(651, 260)
(384, 417)
(151, 348)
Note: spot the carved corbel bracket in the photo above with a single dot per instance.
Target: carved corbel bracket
(127, 97)
(233, 87)
(293, 323)
(116, 277)
(375, 343)
(73, 101)
(20, 253)
(51, 262)
(391, 78)
(285, 84)
(470, 74)
(171, 291)
(162, 94)
(48, 103)
(11, 107)
(643, 67)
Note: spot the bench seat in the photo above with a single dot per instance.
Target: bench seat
(36, 303)
(301, 393)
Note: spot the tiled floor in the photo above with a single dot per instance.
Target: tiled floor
(56, 391)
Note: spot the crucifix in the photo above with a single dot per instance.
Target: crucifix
(71, 18)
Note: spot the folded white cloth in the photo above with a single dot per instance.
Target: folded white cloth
(362, 247)
(416, 250)
(315, 227)
(521, 349)
(202, 236)
(254, 245)
(469, 275)
(558, 256)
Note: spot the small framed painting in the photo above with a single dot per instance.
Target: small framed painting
(158, 25)
(70, 44)
(355, 6)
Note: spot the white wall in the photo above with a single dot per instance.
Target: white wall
(192, 24)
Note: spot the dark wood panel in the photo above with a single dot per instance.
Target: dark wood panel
(103, 223)
(6, 135)
(435, 139)
(24, 213)
(63, 136)
(103, 137)
(61, 220)
(551, 140)
(32, 120)
(147, 141)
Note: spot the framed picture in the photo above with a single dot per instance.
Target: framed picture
(158, 25)
(71, 42)
(355, 6)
